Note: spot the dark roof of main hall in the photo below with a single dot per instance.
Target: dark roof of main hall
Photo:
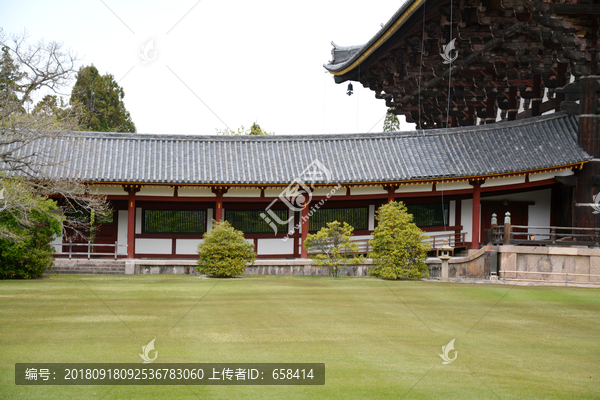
(538, 143)
(345, 56)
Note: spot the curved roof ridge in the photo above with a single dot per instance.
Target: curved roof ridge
(335, 136)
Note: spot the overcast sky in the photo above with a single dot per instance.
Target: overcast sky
(218, 63)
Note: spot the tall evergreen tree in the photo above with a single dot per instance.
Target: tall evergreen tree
(10, 84)
(101, 99)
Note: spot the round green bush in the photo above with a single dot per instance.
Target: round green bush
(224, 252)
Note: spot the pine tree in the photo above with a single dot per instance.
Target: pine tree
(101, 99)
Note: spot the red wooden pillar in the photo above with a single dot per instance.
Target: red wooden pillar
(476, 213)
(219, 204)
(304, 253)
(131, 190)
(391, 189)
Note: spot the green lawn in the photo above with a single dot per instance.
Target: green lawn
(378, 339)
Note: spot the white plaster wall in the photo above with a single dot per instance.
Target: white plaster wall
(242, 193)
(195, 192)
(511, 180)
(371, 217)
(275, 246)
(138, 220)
(114, 190)
(325, 191)
(538, 214)
(57, 242)
(452, 186)
(362, 237)
(415, 188)
(122, 231)
(451, 212)
(153, 246)
(466, 218)
(209, 219)
(273, 192)
(187, 246)
(549, 175)
(357, 191)
(156, 191)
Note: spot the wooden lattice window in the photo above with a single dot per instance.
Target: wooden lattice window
(174, 221)
(358, 218)
(250, 221)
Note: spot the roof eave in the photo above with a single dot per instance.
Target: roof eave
(344, 70)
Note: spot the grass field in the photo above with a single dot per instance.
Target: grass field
(378, 339)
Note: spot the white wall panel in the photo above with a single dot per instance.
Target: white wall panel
(153, 246)
(187, 246)
(122, 231)
(275, 246)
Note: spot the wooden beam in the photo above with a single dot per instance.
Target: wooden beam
(553, 8)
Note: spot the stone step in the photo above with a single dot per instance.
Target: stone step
(89, 268)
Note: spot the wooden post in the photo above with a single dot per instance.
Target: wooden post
(131, 220)
(476, 213)
(507, 228)
(493, 225)
(304, 253)
(391, 189)
(219, 204)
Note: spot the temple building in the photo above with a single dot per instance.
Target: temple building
(504, 97)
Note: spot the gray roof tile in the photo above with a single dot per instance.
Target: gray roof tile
(508, 147)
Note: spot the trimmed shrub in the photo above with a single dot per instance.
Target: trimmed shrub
(224, 252)
(399, 247)
(331, 247)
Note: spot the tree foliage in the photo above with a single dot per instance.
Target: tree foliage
(331, 247)
(101, 100)
(398, 246)
(224, 252)
(27, 155)
(255, 129)
(391, 123)
(28, 253)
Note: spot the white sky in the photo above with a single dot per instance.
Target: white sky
(248, 61)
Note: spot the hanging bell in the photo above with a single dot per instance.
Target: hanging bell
(350, 90)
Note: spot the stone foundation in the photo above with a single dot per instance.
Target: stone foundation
(581, 262)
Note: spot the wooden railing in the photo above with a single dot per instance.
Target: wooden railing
(545, 235)
(89, 253)
(455, 240)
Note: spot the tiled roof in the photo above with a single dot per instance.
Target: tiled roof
(531, 144)
(345, 56)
